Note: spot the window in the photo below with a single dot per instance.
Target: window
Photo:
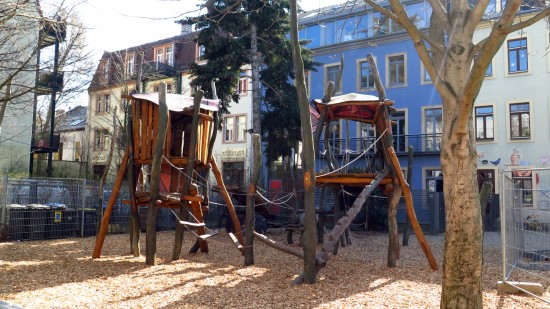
(520, 122)
(484, 123)
(383, 25)
(396, 73)
(101, 139)
(434, 180)
(433, 124)
(169, 56)
(130, 63)
(233, 174)
(335, 141)
(399, 131)
(234, 129)
(243, 84)
(77, 151)
(331, 74)
(103, 104)
(311, 33)
(201, 52)
(366, 79)
(106, 70)
(489, 71)
(517, 56)
(164, 54)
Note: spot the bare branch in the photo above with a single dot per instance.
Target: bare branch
(526, 23)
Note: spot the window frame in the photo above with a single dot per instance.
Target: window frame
(388, 71)
(130, 64)
(485, 140)
(359, 84)
(509, 114)
(101, 138)
(242, 85)
(337, 88)
(161, 52)
(235, 126)
(507, 71)
(103, 103)
(425, 146)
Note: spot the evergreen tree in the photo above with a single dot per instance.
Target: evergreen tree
(224, 32)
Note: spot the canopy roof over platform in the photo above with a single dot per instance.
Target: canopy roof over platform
(177, 102)
(352, 106)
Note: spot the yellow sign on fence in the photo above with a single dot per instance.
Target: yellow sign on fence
(57, 216)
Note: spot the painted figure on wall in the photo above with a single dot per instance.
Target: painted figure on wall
(514, 161)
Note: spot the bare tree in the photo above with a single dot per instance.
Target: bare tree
(457, 65)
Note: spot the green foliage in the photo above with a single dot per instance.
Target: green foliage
(225, 35)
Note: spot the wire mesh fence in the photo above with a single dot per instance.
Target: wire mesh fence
(525, 226)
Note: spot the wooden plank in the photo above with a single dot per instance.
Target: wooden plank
(150, 129)
(155, 127)
(136, 118)
(151, 237)
(143, 130)
(135, 231)
(349, 181)
(107, 214)
(191, 224)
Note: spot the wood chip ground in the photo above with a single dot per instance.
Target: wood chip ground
(62, 274)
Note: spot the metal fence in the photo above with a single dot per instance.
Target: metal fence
(525, 225)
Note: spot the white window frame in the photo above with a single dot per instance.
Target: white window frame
(359, 83)
(494, 140)
(506, 63)
(130, 64)
(423, 111)
(531, 138)
(388, 70)
(103, 135)
(236, 126)
(337, 90)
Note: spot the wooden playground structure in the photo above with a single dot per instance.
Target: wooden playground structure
(170, 144)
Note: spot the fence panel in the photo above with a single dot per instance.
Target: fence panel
(525, 226)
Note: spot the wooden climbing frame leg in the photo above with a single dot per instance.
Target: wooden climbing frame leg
(107, 214)
(230, 208)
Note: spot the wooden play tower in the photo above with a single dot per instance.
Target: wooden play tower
(165, 176)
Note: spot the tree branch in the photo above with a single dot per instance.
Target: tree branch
(524, 24)
(441, 13)
(477, 13)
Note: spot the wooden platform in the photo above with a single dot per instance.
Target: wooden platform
(353, 180)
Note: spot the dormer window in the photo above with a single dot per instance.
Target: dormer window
(130, 64)
(165, 55)
(105, 71)
(201, 50)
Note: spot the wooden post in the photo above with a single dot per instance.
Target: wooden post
(308, 152)
(188, 171)
(250, 199)
(339, 228)
(227, 198)
(393, 246)
(151, 237)
(197, 213)
(135, 231)
(100, 238)
(407, 227)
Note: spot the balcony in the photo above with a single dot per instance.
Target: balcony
(52, 29)
(423, 144)
(48, 83)
(153, 70)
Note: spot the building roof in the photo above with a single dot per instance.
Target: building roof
(185, 53)
(72, 120)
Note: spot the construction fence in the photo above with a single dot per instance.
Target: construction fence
(525, 220)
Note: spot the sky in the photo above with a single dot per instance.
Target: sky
(118, 24)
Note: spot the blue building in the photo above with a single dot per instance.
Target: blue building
(352, 31)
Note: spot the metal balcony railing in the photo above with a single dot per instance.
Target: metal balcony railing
(421, 143)
(157, 70)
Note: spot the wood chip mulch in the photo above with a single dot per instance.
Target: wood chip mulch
(61, 274)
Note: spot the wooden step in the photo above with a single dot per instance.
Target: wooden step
(191, 224)
(206, 236)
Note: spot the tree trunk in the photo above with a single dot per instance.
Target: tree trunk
(250, 198)
(308, 153)
(463, 235)
(255, 63)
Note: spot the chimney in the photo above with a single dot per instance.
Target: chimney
(186, 29)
